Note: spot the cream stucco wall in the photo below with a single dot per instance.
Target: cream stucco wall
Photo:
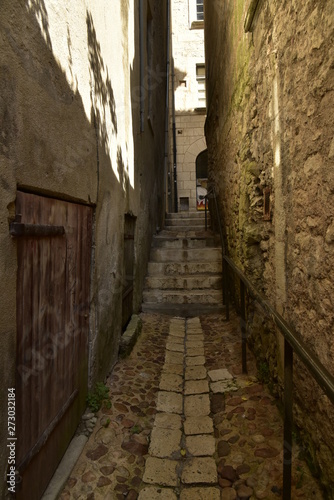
(188, 51)
(70, 129)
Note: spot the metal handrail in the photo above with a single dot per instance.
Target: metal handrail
(292, 343)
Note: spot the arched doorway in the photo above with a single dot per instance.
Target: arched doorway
(201, 179)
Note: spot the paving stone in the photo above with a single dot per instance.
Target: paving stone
(171, 382)
(173, 368)
(200, 494)
(194, 344)
(161, 471)
(223, 386)
(195, 373)
(195, 338)
(175, 339)
(168, 421)
(174, 358)
(174, 347)
(199, 470)
(196, 387)
(195, 351)
(170, 402)
(221, 374)
(153, 493)
(164, 442)
(197, 405)
(201, 445)
(198, 425)
(195, 360)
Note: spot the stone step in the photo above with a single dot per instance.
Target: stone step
(184, 268)
(183, 297)
(185, 222)
(184, 310)
(186, 255)
(199, 282)
(165, 241)
(188, 215)
(186, 232)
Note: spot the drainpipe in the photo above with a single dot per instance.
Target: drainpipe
(174, 140)
(166, 191)
(142, 64)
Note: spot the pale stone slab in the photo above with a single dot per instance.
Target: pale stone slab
(160, 471)
(201, 445)
(171, 382)
(221, 374)
(168, 421)
(195, 360)
(169, 402)
(195, 373)
(194, 321)
(173, 346)
(174, 358)
(195, 338)
(200, 494)
(176, 339)
(223, 386)
(192, 344)
(164, 442)
(196, 387)
(198, 425)
(199, 470)
(154, 493)
(195, 351)
(195, 406)
(173, 368)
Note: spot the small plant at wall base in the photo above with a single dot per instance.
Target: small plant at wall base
(99, 397)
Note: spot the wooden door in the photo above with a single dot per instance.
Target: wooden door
(54, 251)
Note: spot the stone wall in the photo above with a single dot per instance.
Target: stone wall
(270, 97)
(70, 107)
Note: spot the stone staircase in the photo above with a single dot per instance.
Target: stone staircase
(184, 272)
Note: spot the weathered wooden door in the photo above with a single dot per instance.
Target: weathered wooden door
(54, 251)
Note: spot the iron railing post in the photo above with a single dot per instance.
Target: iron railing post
(243, 326)
(288, 419)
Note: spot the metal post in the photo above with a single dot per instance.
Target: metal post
(288, 419)
(227, 290)
(243, 326)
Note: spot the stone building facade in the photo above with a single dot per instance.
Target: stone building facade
(188, 101)
(82, 113)
(270, 135)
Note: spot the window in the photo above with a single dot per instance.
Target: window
(200, 77)
(199, 10)
(196, 14)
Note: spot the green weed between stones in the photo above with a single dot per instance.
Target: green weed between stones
(99, 397)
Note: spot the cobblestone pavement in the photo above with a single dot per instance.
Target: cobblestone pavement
(186, 424)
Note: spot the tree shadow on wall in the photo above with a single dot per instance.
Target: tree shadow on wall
(38, 10)
(103, 91)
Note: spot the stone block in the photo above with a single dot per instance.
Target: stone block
(198, 425)
(195, 373)
(171, 382)
(161, 471)
(200, 493)
(156, 493)
(129, 337)
(201, 470)
(196, 387)
(168, 421)
(170, 402)
(195, 360)
(165, 442)
(201, 445)
(221, 374)
(196, 405)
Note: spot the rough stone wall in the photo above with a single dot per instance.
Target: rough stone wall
(70, 129)
(270, 98)
(188, 50)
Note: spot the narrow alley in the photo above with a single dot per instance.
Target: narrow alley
(185, 424)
